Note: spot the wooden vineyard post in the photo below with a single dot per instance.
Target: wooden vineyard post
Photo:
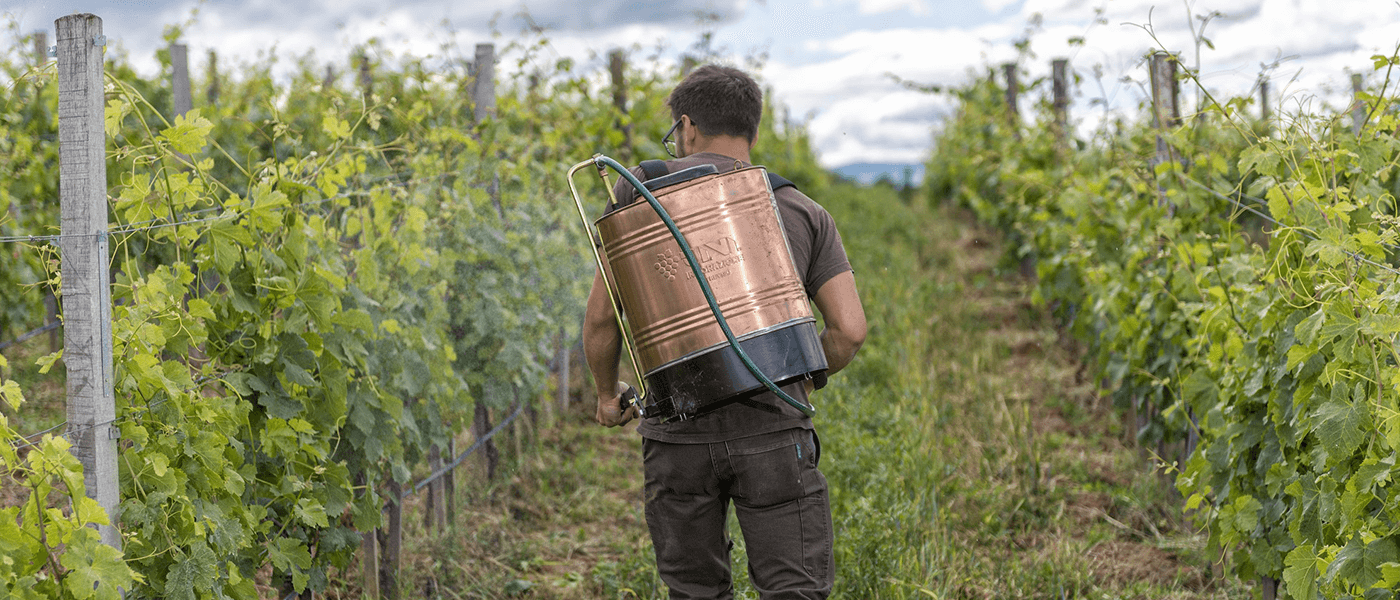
(449, 483)
(436, 514)
(1012, 89)
(1268, 587)
(51, 310)
(180, 79)
(369, 556)
(86, 291)
(616, 68)
(1165, 112)
(481, 425)
(41, 47)
(369, 564)
(1358, 108)
(390, 541)
(1059, 69)
(687, 65)
(329, 81)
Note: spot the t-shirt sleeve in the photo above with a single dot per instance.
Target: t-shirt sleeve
(828, 254)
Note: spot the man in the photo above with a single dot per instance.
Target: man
(760, 453)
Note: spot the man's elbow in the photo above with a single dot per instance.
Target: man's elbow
(852, 338)
(857, 339)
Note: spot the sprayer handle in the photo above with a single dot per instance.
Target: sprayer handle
(628, 399)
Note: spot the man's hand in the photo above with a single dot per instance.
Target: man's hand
(610, 413)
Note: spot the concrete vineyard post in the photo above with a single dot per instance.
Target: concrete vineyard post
(1165, 112)
(212, 94)
(180, 80)
(1265, 111)
(616, 69)
(83, 251)
(1012, 88)
(1059, 69)
(41, 47)
(484, 85)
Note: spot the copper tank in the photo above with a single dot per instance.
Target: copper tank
(733, 226)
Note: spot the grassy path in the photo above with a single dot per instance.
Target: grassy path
(966, 458)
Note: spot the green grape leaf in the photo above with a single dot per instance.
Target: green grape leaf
(1359, 564)
(11, 394)
(1301, 571)
(95, 570)
(1342, 326)
(1374, 472)
(191, 574)
(1261, 159)
(189, 133)
(311, 512)
(1341, 425)
(1200, 386)
(1390, 575)
(291, 556)
(1307, 330)
(200, 308)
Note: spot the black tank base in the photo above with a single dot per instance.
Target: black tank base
(697, 385)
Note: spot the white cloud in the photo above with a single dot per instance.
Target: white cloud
(854, 105)
(996, 6)
(875, 7)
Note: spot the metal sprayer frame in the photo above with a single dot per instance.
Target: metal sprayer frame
(594, 243)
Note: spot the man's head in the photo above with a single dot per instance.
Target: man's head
(720, 101)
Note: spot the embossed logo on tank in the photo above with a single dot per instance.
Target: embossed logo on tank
(666, 264)
(716, 257)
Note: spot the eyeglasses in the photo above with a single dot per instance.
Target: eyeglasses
(669, 143)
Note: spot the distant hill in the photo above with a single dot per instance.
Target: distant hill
(869, 173)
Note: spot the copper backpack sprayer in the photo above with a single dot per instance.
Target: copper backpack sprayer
(691, 360)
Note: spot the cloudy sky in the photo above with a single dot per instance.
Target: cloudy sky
(833, 63)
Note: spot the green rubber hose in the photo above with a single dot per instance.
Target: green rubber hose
(704, 284)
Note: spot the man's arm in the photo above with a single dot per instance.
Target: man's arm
(602, 346)
(845, 320)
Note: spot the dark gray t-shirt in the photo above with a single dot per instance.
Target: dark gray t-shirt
(819, 256)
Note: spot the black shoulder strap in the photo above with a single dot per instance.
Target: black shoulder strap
(654, 168)
(651, 169)
(778, 181)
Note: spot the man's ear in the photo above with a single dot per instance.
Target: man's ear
(689, 131)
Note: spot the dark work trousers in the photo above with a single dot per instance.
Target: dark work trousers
(779, 496)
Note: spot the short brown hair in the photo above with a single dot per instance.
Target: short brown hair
(720, 101)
